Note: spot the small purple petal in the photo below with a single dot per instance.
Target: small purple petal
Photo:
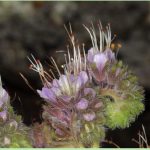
(3, 115)
(47, 94)
(80, 81)
(84, 77)
(82, 104)
(90, 91)
(110, 55)
(90, 55)
(100, 60)
(89, 116)
(77, 84)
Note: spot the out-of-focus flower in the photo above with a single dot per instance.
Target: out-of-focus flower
(3, 102)
(6, 141)
(13, 133)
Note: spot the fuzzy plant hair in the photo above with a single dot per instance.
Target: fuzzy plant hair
(13, 133)
(95, 91)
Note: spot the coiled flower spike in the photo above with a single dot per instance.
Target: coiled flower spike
(72, 110)
(94, 91)
(115, 82)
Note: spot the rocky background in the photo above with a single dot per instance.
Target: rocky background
(38, 28)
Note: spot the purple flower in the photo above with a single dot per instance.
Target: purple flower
(90, 55)
(82, 104)
(100, 61)
(97, 62)
(64, 88)
(84, 77)
(110, 55)
(47, 94)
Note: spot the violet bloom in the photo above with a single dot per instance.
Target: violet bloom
(82, 104)
(65, 87)
(3, 102)
(69, 96)
(99, 57)
(71, 100)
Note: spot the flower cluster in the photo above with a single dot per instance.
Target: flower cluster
(94, 91)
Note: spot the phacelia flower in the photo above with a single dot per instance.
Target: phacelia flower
(72, 106)
(100, 57)
(94, 91)
(114, 80)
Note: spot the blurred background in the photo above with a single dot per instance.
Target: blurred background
(38, 28)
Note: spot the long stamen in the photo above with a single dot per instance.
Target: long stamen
(101, 37)
(52, 73)
(108, 36)
(69, 64)
(95, 38)
(37, 67)
(84, 56)
(56, 66)
(79, 57)
(91, 36)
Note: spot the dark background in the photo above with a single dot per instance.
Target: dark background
(37, 28)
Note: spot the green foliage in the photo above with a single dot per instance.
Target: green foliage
(121, 113)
